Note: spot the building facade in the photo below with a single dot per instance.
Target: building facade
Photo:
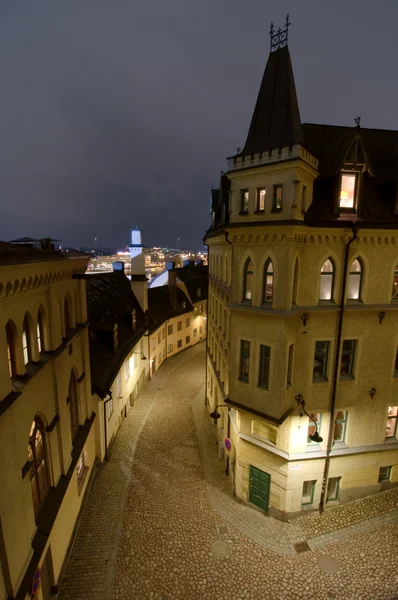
(303, 311)
(47, 419)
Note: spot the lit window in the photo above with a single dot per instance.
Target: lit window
(347, 358)
(317, 417)
(385, 473)
(333, 489)
(327, 277)
(244, 201)
(38, 472)
(265, 357)
(170, 348)
(278, 197)
(268, 282)
(109, 408)
(39, 333)
(134, 320)
(248, 281)
(340, 424)
(355, 280)
(27, 357)
(395, 284)
(347, 191)
(244, 360)
(320, 360)
(261, 194)
(391, 426)
(195, 332)
(308, 493)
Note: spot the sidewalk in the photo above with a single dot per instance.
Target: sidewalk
(336, 524)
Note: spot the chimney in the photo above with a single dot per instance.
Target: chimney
(172, 287)
(118, 266)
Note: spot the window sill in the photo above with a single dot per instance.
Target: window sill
(247, 302)
(265, 388)
(322, 302)
(339, 446)
(313, 448)
(347, 378)
(390, 440)
(243, 380)
(320, 380)
(354, 301)
(243, 213)
(260, 211)
(276, 210)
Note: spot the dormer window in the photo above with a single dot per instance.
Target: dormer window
(115, 336)
(347, 199)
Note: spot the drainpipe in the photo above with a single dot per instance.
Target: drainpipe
(105, 432)
(336, 368)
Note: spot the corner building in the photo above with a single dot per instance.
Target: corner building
(303, 307)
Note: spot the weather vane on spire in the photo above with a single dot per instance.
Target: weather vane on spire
(278, 39)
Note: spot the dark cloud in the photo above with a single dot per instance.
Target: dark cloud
(114, 114)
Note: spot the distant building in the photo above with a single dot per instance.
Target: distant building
(303, 311)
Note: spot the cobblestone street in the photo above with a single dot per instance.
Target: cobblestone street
(160, 522)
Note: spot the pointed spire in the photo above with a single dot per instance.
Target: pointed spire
(276, 119)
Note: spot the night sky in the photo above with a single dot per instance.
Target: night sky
(121, 113)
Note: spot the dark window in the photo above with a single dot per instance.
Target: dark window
(355, 280)
(289, 375)
(340, 425)
(333, 488)
(179, 344)
(244, 201)
(384, 474)
(268, 283)
(244, 360)
(187, 322)
(278, 197)
(38, 472)
(67, 320)
(26, 342)
(265, 356)
(395, 284)
(115, 336)
(169, 329)
(179, 325)
(320, 360)
(327, 280)
(11, 349)
(347, 358)
(248, 281)
(261, 195)
(73, 405)
(188, 339)
(304, 199)
(396, 364)
(295, 284)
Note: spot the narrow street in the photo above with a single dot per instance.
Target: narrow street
(160, 523)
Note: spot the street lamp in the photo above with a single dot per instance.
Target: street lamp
(314, 437)
(215, 414)
(143, 357)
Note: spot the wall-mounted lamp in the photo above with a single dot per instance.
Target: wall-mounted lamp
(314, 437)
(381, 316)
(215, 414)
(143, 357)
(304, 318)
(372, 392)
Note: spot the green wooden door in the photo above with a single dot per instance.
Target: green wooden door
(259, 488)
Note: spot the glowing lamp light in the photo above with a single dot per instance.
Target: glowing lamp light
(343, 195)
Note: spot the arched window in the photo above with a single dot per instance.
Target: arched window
(26, 341)
(395, 284)
(295, 284)
(248, 281)
(355, 280)
(67, 320)
(38, 472)
(73, 405)
(40, 332)
(11, 337)
(327, 280)
(268, 283)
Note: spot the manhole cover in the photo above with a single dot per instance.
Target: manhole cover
(302, 546)
(220, 548)
(328, 564)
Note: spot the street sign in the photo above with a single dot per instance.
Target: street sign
(227, 444)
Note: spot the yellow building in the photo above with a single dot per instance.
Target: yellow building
(47, 418)
(177, 311)
(303, 306)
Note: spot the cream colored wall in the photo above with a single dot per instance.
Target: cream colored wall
(195, 322)
(26, 288)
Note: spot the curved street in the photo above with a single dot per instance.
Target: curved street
(160, 522)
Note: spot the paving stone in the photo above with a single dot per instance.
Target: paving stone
(159, 503)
